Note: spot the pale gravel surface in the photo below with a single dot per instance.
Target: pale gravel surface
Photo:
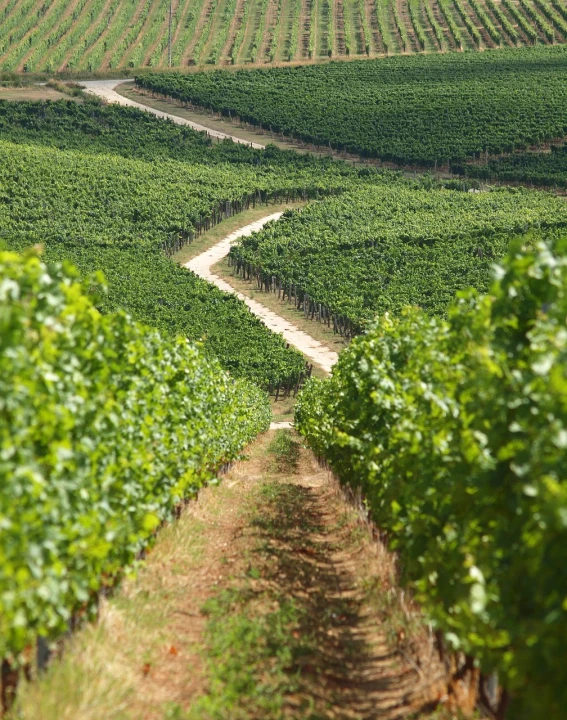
(105, 89)
(201, 265)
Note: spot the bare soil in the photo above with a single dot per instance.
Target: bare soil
(372, 657)
(32, 92)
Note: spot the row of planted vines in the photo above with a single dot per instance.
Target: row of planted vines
(90, 204)
(428, 110)
(455, 432)
(544, 169)
(94, 460)
(381, 248)
(91, 35)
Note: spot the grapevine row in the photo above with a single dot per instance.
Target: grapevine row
(119, 214)
(77, 513)
(486, 21)
(455, 433)
(382, 247)
(96, 35)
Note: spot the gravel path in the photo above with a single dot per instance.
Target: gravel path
(201, 265)
(105, 89)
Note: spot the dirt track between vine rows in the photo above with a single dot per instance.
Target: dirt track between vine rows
(106, 90)
(201, 265)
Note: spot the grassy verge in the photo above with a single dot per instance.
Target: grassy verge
(282, 410)
(268, 599)
(31, 92)
(317, 330)
(253, 653)
(310, 626)
(214, 122)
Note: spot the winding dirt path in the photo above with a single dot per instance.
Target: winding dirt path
(106, 90)
(201, 265)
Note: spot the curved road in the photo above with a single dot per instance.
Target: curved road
(201, 265)
(106, 90)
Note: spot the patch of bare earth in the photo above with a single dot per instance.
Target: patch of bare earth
(32, 93)
(370, 655)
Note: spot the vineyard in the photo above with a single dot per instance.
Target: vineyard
(435, 586)
(345, 259)
(94, 35)
(455, 431)
(424, 110)
(119, 214)
(76, 513)
(547, 169)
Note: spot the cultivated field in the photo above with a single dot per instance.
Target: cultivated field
(361, 352)
(100, 35)
(427, 110)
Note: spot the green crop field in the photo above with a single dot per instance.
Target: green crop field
(451, 429)
(426, 109)
(382, 248)
(94, 35)
(547, 169)
(99, 507)
(65, 183)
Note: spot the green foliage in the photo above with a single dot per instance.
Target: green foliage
(546, 169)
(456, 432)
(95, 35)
(387, 246)
(112, 214)
(105, 427)
(421, 109)
(116, 214)
(117, 186)
(92, 127)
(250, 655)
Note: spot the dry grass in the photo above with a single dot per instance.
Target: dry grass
(222, 124)
(31, 92)
(273, 536)
(144, 654)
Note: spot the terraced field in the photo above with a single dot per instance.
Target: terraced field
(92, 35)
